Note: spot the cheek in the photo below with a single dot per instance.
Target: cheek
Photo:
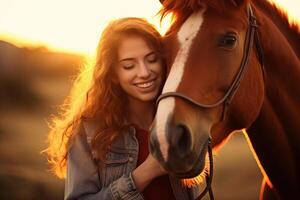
(228, 64)
(124, 77)
(158, 69)
(125, 85)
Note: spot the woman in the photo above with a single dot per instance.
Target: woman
(102, 136)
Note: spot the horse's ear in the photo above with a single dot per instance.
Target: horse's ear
(161, 1)
(237, 3)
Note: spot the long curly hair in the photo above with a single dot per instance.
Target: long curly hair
(94, 95)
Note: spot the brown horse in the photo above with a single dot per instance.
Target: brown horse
(232, 64)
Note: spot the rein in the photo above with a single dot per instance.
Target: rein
(251, 37)
(209, 178)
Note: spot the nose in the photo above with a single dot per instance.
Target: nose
(181, 140)
(143, 70)
(180, 153)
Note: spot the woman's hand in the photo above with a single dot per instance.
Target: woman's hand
(146, 172)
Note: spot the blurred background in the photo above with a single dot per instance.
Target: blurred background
(42, 46)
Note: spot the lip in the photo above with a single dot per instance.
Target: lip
(198, 167)
(195, 171)
(146, 88)
(152, 80)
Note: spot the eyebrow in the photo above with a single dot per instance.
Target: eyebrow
(129, 59)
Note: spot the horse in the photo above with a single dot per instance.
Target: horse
(231, 65)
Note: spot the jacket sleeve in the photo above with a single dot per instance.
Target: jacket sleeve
(83, 180)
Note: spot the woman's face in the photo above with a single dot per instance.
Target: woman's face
(139, 69)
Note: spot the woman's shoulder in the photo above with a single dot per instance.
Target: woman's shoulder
(84, 130)
(83, 135)
(90, 127)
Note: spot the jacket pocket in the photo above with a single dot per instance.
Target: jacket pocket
(114, 166)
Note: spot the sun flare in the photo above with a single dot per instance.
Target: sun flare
(75, 26)
(67, 25)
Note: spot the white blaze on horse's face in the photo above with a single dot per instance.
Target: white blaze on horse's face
(185, 36)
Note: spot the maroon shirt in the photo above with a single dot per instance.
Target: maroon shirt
(160, 187)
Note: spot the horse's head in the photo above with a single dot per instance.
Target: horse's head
(206, 49)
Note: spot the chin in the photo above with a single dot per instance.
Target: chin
(147, 97)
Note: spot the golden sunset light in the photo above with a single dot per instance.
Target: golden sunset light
(291, 7)
(75, 26)
(76, 122)
(65, 24)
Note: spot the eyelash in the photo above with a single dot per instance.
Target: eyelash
(128, 67)
(152, 60)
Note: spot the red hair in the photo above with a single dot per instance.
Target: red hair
(95, 95)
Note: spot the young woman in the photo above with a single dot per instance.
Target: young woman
(100, 143)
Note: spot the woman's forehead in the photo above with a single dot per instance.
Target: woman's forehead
(133, 46)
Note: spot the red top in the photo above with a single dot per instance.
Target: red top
(160, 187)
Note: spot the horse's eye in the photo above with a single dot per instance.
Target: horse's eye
(228, 41)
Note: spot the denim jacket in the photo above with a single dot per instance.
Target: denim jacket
(86, 181)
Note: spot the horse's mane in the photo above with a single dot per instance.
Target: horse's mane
(181, 9)
(280, 17)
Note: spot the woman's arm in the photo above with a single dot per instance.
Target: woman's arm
(146, 172)
(83, 182)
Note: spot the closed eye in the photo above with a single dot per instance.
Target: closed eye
(152, 57)
(127, 64)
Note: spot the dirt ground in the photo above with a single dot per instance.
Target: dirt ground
(24, 172)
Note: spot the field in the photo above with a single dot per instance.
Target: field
(24, 171)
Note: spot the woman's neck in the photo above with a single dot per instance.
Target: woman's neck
(140, 113)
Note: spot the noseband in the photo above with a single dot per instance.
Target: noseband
(251, 36)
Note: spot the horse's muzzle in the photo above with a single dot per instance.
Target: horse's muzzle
(185, 157)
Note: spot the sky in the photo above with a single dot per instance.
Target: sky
(76, 25)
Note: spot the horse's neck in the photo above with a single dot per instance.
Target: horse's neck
(275, 134)
(290, 31)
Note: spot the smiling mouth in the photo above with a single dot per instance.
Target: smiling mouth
(145, 84)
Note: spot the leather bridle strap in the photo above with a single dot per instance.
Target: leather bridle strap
(251, 37)
(210, 177)
(226, 99)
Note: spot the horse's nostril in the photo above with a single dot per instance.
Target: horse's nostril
(181, 139)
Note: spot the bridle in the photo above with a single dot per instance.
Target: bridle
(251, 37)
